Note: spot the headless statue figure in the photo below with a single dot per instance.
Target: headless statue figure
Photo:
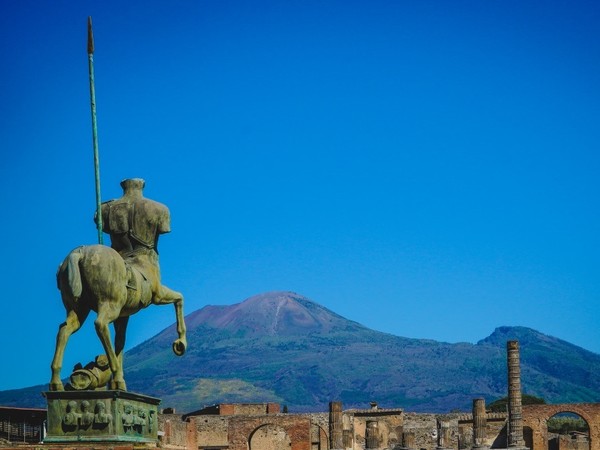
(134, 224)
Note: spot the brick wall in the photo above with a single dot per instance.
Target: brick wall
(284, 426)
(173, 432)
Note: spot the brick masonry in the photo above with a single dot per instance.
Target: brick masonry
(261, 431)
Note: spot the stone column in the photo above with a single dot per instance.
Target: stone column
(443, 434)
(335, 426)
(479, 423)
(372, 435)
(515, 414)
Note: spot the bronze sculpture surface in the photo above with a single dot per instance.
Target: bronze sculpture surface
(94, 375)
(117, 281)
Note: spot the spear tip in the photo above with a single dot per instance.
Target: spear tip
(90, 37)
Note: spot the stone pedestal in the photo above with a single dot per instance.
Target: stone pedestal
(101, 416)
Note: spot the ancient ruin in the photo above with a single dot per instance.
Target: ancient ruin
(234, 427)
(515, 416)
(479, 424)
(263, 426)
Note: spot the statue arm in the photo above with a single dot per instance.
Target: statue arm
(164, 221)
(105, 207)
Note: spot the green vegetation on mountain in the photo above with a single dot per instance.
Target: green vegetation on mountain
(501, 405)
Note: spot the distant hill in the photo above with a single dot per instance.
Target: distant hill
(285, 348)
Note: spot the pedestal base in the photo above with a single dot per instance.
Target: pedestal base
(101, 416)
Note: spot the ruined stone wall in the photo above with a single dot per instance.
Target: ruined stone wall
(425, 430)
(563, 442)
(535, 417)
(311, 431)
(173, 432)
(269, 437)
(535, 429)
(424, 427)
(294, 431)
(385, 431)
(249, 409)
(320, 419)
(273, 428)
(226, 409)
(319, 430)
(496, 430)
(495, 433)
(211, 431)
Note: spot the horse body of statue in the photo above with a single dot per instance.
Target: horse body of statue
(117, 281)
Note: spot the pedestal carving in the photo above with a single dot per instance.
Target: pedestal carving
(101, 416)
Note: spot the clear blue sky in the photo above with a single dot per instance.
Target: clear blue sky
(426, 168)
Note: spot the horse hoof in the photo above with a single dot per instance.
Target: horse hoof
(179, 347)
(118, 386)
(56, 387)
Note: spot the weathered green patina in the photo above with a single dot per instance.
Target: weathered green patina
(101, 416)
(117, 281)
(90, 47)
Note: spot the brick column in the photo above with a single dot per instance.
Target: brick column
(191, 433)
(273, 408)
(515, 414)
(479, 423)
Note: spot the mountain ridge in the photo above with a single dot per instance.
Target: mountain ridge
(270, 308)
(283, 347)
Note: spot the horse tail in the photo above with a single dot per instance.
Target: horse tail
(74, 283)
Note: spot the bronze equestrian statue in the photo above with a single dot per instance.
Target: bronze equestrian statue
(117, 281)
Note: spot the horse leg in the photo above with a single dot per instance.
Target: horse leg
(166, 296)
(65, 330)
(120, 328)
(107, 315)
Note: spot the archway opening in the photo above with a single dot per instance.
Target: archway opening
(568, 431)
(318, 438)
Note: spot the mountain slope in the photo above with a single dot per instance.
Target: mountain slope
(285, 348)
(305, 356)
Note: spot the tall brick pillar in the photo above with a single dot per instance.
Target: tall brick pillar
(479, 423)
(515, 410)
(191, 433)
(335, 426)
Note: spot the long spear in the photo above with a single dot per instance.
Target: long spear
(94, 129)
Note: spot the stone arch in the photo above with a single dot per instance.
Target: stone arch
(536, 417)
(561, 441)
(319, 437)
(269, 437)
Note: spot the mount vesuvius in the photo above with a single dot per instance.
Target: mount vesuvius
(283, 347)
